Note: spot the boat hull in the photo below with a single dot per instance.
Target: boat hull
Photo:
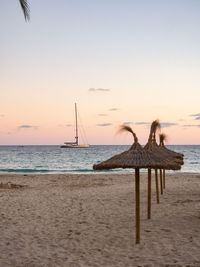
(74, 146)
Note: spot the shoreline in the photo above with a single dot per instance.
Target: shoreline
(91, 172)
(89, 220)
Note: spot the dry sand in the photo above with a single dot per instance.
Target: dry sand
(89, 220)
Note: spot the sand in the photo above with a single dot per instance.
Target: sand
(89, 220)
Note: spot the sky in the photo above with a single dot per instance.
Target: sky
(122, 61)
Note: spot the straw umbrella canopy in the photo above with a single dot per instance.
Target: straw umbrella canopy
(172, 153)
(136, 157)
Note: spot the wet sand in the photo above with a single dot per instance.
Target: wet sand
(89, 220)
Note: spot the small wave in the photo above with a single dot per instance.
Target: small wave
(59, 171)
(22, 170)
(44, 171)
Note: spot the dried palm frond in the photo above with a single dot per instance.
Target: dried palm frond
(126, 128)
(154, 127)
(25, 7)
(162, 137)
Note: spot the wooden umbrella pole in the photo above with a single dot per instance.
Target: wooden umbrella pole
(149, 195)
(164, 178)
(137, 204)
(161, 182)
(157, 188)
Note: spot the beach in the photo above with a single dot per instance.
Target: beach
(89, 220)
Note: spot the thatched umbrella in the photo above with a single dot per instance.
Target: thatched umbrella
(173, 154)
(137, 158)
(151, 140)
(153, 147)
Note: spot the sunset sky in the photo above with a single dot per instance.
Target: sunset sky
(122, 61)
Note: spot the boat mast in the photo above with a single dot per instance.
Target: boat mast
(76, 137)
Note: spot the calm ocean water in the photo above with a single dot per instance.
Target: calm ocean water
(53, 159)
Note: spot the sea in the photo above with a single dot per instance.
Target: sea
(53, 159)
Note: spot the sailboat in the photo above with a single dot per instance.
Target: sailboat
(74, 144)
